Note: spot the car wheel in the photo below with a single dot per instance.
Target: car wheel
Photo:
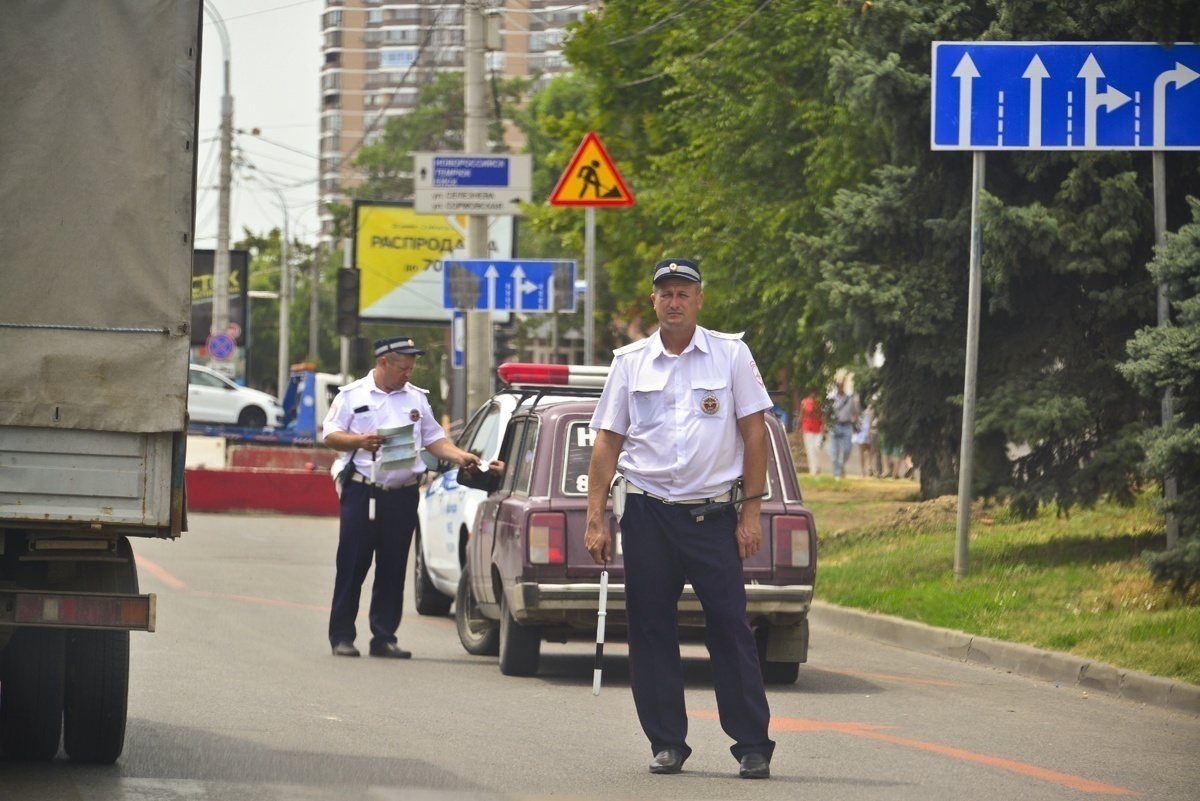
(430, 601)
(478, 635)
(520, 646)
(773, 672)
(252, 417)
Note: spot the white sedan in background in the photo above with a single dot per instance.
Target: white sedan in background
(213, 398)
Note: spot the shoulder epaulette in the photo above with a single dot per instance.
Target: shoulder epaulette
(723, 335)
(418, 389)
(632, 346)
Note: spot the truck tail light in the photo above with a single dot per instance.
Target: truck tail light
(135, 612)
(791, 541)
(548, 538)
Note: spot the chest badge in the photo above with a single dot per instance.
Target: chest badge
(709, 404)
(414, 415)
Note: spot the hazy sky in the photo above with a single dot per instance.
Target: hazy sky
(275, 58)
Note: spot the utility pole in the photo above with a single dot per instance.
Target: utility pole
(220, 307)
(478, 356)
(314, 307)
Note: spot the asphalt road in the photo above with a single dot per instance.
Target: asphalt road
(237, 697)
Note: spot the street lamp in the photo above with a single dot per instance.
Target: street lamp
(220, 310)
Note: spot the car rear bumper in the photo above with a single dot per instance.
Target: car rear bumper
(535, 602)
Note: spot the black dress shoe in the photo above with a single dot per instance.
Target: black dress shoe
(668, 760)
(345, 649)
(391, 651)
(755, 766)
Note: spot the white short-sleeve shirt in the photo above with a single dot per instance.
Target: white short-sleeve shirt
(361, 407)
(679, 414)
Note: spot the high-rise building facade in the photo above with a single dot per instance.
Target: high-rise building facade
(378, 53)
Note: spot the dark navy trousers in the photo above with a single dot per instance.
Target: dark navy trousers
(663, 548)
(387, 539)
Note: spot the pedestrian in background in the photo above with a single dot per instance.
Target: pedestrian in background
(379, 400)
(845, 411)
(812, 428)
(867, 440)
(681, 418)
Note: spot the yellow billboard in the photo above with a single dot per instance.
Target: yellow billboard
(399, 254)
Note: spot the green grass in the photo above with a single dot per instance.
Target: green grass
(1073, 583)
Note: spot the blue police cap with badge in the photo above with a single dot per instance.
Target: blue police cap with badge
(676, 268)
(401, 345)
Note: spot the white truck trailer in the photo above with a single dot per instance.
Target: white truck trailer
(98, 116)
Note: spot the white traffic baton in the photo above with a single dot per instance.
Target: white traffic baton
(600, 615)
(374, 487)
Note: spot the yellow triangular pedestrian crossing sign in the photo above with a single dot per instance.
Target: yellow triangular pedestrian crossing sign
(591, 179)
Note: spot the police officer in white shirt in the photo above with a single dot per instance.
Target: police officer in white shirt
(681, 420)
(382, 399)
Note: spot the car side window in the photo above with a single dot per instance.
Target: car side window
(509, 450)
(525, 457)
(205, 380)
(468, 432)
(483, 442)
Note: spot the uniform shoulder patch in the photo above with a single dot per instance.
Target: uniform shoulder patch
(723, 335)
(632, 346)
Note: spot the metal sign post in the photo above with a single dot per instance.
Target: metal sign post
(1058, 96)
(590, 180)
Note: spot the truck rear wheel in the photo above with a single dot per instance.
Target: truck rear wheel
(520, 646)
(31, 694)
(97, 672)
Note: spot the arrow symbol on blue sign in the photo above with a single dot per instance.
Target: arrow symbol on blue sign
(490, 274)
(519, 287)
(1035, 73)
(1112, 99)
(1180, 76)
(966, 73)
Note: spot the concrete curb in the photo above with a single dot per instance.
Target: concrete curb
(1021, 659)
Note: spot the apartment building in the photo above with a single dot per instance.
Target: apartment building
(378, 53)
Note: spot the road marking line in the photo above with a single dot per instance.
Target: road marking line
(871, 731)
(160, 573)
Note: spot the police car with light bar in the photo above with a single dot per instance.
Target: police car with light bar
(446, 509)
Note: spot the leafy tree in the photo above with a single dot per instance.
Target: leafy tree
(1167, 359)
(1066, 240)
(714, 113)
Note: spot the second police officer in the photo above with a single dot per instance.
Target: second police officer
(379, 507)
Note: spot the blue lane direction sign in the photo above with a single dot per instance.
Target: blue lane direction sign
(1065, 96)
(532, 285)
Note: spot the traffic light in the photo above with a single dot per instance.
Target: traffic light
(504, 347)
(347, 302)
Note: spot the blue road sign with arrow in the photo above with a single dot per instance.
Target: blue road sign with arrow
(1065, 96)
(533, 285)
